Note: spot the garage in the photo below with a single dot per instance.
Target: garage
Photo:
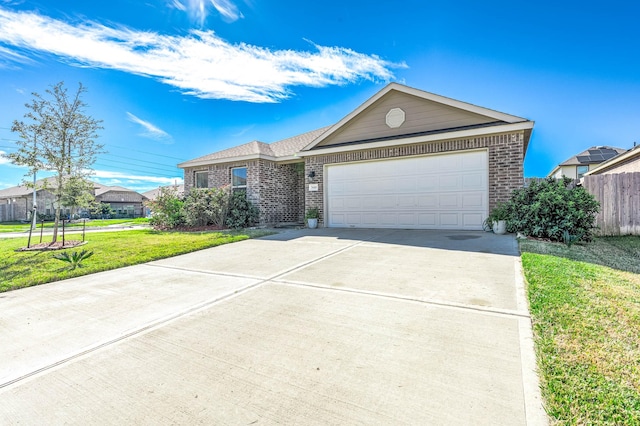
(447, 191)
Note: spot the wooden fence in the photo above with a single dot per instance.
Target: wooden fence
(619, 197)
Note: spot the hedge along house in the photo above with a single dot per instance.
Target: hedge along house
(403, 159)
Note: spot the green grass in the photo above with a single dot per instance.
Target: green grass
(90, 223)
(586, 321)
(111, 250)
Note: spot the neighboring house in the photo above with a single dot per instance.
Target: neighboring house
(16, 203)
(403, 159)
(153, 194)
(576, 166)
(627, 162)
(123, 201)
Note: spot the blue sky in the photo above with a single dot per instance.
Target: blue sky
(176, 79)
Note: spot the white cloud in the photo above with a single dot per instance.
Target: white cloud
(198, 10)
(8, 58)
(151, 131)
(119, 177)
(200, 64)
(3, 159)
(228, 10)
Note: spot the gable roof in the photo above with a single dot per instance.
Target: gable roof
(626, 157)
(468, 120)
(284, 149)
(484, 121)
(22, 190)
(153, 194)
(593, 155)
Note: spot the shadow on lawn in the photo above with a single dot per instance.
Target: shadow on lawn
(622, 253)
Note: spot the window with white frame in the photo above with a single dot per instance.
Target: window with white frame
(239, 178)
(582, 170)
(202, 179)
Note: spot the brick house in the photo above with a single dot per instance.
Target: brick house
(16, 203)
(405, 158)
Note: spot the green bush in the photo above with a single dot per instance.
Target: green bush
(242, 213)
(206, 206)
(166, 209)
(552, 209)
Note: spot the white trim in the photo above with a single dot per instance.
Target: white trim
(633, 152)
(421, 94)
(325, 175)
(505, 128)
(195, 163)
(231, 169)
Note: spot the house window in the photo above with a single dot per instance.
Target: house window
(582, 170)
(239, 177)
(202, 179)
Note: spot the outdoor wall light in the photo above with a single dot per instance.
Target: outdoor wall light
(312, 174)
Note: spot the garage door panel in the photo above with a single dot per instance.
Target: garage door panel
(427, 220)
(472, 220)
(450, 183)
(406, 201)
(427, 183)
(449, 201)
(428, 201)
(473, 201)
(473, 181)
(438, 192)
(451, 220)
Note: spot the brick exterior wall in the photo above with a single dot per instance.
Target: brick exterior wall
(276, 189)
(506, 158)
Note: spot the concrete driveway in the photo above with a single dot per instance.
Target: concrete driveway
(304, 327)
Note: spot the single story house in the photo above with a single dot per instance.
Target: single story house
(627, 162)
(16, 203)
(123, 201)
(576, 166)
(405, 158)
(153, 194)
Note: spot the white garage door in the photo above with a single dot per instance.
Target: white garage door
(436, 192)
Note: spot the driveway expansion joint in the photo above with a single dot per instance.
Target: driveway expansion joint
(434, 302)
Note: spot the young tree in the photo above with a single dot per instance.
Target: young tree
(58, 136)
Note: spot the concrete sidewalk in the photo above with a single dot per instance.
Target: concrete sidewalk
(307, 327)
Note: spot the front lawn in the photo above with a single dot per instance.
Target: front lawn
(586, 321)
(89, 223)
(111, 250)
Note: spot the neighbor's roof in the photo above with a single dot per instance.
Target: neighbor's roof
(593, 155)
(153, 194)
(22, 190)
(255, 149)
(623, 158)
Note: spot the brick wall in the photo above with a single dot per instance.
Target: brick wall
(505, 163)
(281, 192)
(276, 189)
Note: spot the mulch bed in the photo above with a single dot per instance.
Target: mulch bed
(53, 246)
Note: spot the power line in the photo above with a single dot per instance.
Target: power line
(166, 170)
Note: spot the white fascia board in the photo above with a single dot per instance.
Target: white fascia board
(505, 128)
(421, 94)
(196, 163)
(615, 160)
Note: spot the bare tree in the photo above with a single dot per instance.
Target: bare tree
(58, 136)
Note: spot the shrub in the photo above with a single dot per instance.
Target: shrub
(206, 206)
(548, 208)
(166, 209)
(242, 213)
(74, 259)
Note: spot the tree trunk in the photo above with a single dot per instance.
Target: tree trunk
(55, 225)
